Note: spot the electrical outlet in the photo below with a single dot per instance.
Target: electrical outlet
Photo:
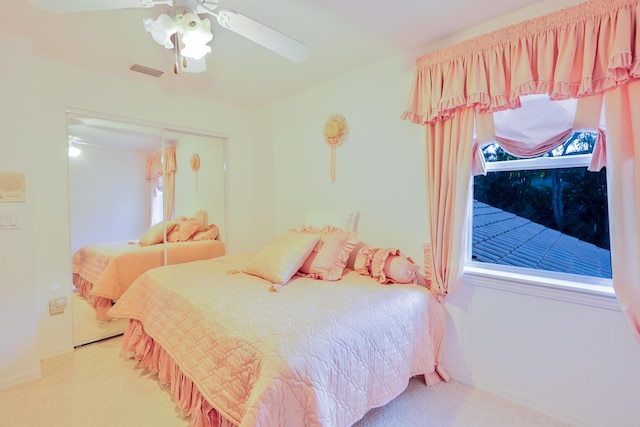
(57, 306)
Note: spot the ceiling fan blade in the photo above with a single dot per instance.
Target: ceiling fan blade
(70, 6)
(263, 35)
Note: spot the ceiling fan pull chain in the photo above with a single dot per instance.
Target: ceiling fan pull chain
(176, 48)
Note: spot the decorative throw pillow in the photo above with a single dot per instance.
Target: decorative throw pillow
(155, 234)
(400, 269)
(281, 258)
(362, 262)
(387, 265)
(329, 258)
(184, 230)
(209, 233)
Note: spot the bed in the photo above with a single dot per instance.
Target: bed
(317, 352)
(102, 272)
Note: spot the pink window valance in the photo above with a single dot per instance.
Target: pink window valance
(539, 126)
(582, 50)
(154, 163)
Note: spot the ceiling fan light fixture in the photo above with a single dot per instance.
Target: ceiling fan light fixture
(194, 33)
(162, 29)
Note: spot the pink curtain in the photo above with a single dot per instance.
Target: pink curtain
(448, 173)
(155, 169)
(622, 109)
(577, 52)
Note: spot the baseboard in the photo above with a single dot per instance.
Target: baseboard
(530, 402)
(58, 351)
(25, 377)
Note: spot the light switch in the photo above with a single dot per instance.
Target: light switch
(9, 221)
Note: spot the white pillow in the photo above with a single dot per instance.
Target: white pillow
(345, 220)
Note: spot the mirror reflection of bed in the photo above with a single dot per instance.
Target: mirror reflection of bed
(115, 198)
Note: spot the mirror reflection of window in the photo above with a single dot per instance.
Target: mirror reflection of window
(156, 201)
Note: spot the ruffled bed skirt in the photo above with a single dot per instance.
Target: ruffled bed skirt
(100, 304)
(187, 397)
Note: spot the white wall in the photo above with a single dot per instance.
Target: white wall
(109, 197)
(572, 360)
(379, 169)
(19, 315)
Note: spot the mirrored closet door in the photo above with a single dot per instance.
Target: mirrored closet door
(119, 198)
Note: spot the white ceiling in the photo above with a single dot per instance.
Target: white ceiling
(343, 35)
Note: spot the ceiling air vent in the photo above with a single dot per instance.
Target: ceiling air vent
(146, 70)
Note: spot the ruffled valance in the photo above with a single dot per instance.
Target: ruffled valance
(575, 52)
(154, 163)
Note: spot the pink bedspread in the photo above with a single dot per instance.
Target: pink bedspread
(316, 353)
(112, 267)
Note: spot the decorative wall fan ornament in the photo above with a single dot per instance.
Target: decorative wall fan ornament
(336, 131)
(195, 166)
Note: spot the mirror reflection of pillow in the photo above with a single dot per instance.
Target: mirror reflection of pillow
(184, 230)
(155, 234)
(209, 233)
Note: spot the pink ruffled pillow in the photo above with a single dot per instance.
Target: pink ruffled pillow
(209, 233)
(387, 265)
(184, 229)
(329, 258)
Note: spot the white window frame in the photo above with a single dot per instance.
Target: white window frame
(587, 290)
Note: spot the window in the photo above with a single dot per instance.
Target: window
(544, 216)
(157, 200)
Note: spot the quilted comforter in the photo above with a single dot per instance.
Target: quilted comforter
(316, 353)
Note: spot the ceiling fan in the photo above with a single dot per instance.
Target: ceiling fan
(185, 31)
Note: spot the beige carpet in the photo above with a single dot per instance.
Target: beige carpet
(86, 328)
(96, 386)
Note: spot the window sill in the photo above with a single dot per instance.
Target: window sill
(599, 295)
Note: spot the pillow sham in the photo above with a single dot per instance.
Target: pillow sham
(345, 220)
(155, 234)
(209, 233)
(362, 262)
(183, 230)
(387, 265)
(329, 258)
(282, 257)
